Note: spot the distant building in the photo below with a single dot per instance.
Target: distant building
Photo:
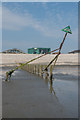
(38, 50)
(13, 51)
(75, 51)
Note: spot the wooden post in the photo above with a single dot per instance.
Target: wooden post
(46, 73)
(26, 67)
(51, 74)
(35, 69)
(38, 69)
(32, 69)
(6, 76)
(41, 71)
(29, 67)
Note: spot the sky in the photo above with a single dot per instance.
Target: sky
(39, 0)
(78, 26)
(0, 26)
(38, 24)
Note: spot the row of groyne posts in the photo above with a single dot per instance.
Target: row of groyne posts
(38, 69)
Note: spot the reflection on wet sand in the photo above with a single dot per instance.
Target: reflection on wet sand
(29, 90)
(50, 84)
(51, 87)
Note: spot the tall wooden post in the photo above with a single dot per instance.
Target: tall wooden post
(46, 73)
(51, 73)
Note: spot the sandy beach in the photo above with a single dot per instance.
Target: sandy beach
(63, 59)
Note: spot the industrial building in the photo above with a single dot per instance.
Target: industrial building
(38, 50)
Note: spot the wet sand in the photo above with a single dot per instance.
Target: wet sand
(29, 96)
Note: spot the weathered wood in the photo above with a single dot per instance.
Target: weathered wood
(6, 76)
(41, 71)
(38, 69)
(46, 73)
(29, 67)
(34, 69)
(51, 74)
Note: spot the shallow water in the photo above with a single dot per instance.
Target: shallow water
(60, 96)
(65, 85)
(67, 94)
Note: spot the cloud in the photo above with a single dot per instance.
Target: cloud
(15, 21)
(0, 16)
(50, 26)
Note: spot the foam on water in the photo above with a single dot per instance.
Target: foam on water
(3, 74)
(67, 70)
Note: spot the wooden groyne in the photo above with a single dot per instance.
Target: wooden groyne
(38, 69)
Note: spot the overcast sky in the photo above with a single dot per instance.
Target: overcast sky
(39, 24)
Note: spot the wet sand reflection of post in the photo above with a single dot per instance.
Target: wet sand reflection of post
(51, 87)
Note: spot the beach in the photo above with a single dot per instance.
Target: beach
(29, 96)
(63, 59)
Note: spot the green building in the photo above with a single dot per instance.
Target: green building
(38, 50)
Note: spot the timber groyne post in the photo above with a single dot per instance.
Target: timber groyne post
(39, 70)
